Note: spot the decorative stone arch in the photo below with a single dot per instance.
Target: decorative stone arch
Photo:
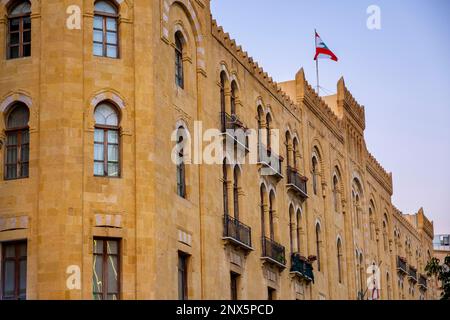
(186, 39)
(5, 6)
(117, 100)
(166, 6)
(317, 150)
(223, 68)
(14, 97)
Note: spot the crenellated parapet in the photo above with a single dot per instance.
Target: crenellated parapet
(379, 173)
(308, 96)
(400, 217)
(348, 103)
(252, 66)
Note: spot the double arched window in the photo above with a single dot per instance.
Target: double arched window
(236, 188)
(106, 29)
(106, 141)
(17, 142)
(19, 30)
(179, 68)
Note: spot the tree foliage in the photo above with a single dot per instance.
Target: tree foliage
(442, 272)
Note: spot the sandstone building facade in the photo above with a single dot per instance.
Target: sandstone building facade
(92, 205)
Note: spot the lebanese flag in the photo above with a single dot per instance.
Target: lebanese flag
(322, 51)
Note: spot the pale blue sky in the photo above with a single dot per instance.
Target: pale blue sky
(399, 73)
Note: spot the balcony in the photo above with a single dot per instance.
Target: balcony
(423, 282)
(270, 161)
(273, 253)
(297, 182)
(230, 124)
(412, 274)
(237, 233)
(401, 265)
(302, 268)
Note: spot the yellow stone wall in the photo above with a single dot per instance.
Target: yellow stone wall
(66, 206)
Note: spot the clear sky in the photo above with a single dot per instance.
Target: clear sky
(401, 74)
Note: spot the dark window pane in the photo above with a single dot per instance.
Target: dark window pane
(11, 155)
(14, 25)
(27, 50)
(113, 247)
(19, 117)
(98, 246)
(13, 52)
(27, 36)
(23, 277)
(97, 280)
(113, 274)
(9, 273)
(14, 38)
(24, 171)
(113, 169)
(27, 23)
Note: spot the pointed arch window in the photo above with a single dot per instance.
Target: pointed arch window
(225, 187)
(318, 244)
(269, 133)
(336, 194)
(339, 260)
(17, 142)
(106, 30)
(315, 174)
(106, 141)
(299, 229)
(233, 98)
(236, 192)
(181, 165)
(179, 68)
(294, 153)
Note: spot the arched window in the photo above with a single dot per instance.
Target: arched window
(294, 153)
(260, 124)
(17, 142)
(19, 30)
(236, 192)
(271, 214)
(106, 141)
(299, 230)
(318, 244)
(106, 35)
(314, 174)
(291, 228)
(335, 193)
(179, 68)
(357, 206)
(288, 148)
(371, 220)
(388, 284)
(225, 187)
(233, 98)
(223, 80)
(262, 194)
(385, 234)
(269, 133)
(339, 260)
(181, 165)
(362, 273)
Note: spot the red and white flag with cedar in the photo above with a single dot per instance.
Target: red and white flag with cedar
(322, 51)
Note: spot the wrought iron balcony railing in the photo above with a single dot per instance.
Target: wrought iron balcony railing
(270, 160)
(237, 233)
(402, 265)
(423, 282)
(412, 274)
(302, 268)
(273, 252)
(235, 129)
(297, 182)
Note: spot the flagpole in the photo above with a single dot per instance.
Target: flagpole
(317, 63)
